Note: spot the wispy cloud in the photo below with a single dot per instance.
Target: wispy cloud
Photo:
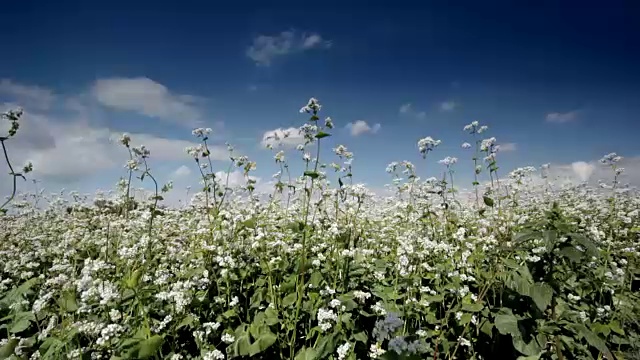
(265, 48)
(30, 95)
(508, 147)
(448, 105)
(361, 127)
(408, 110)
(146, 97)
(557, 117)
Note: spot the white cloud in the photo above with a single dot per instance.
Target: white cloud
(182, 171)
(361, 127)
(235, 178)
(557, 117)
(583, 170)
(146, 97)
(508, 147)
(285, 137)
(27, 95)
(448, 105)
(593, 171)
(75, 149)
(266, 48)
(407, 109)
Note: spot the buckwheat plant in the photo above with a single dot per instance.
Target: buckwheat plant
(13, 116)
(329, 270)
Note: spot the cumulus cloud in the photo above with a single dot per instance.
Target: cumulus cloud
(71, 150)
(146, 97)
(408, 110)
(27, 95)
(557, 117)
(361, 127)
(289, 137)
(182, 171)
(592, 171)
(265, 48)
(448, 105)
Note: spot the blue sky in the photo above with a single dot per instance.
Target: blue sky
(558, 82)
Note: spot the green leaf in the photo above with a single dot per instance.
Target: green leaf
(488, 201)
(21, 321)
(271, 316)
(326, 346)
(242, 346)
(541, 294)
(589, 245)
(289, 300)
(306, 354)
(615, 327)
(532, 357)
(7, 349)
(186, 322)
(533, 347)
(322, 134)
(571, 253)
(473, 307)
(361, 336)
(265, 340)
(593, 340)
(311, 174)
(599, 328)
(487, 328)
(149, 347)
(507, 324)
(229, 313)
(132, 281)
(67, 301)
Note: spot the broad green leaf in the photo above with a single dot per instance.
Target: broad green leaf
(507, 324)
(271, 316)
(67, 301)
(229, 313)
(326, 346)
(532, 357)
(289, 300)
(541, 294)
(473, 307)
(615, 327)
(306, 354)
(361, 336)
(589, 245)
(242, 346)
(149, 347)
(265, 340)
(593, 340)
(186, 322)
(487, 328)
(533, 347)
(7, 349)
(571, 253)
(599, 328)
(21, 321)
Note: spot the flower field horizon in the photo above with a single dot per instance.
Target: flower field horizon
(316, 266)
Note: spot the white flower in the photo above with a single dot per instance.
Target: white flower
(343, 350)
(228, 338)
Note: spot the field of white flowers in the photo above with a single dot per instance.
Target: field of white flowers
(525, 269)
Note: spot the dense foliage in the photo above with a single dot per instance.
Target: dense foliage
(524, 269)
